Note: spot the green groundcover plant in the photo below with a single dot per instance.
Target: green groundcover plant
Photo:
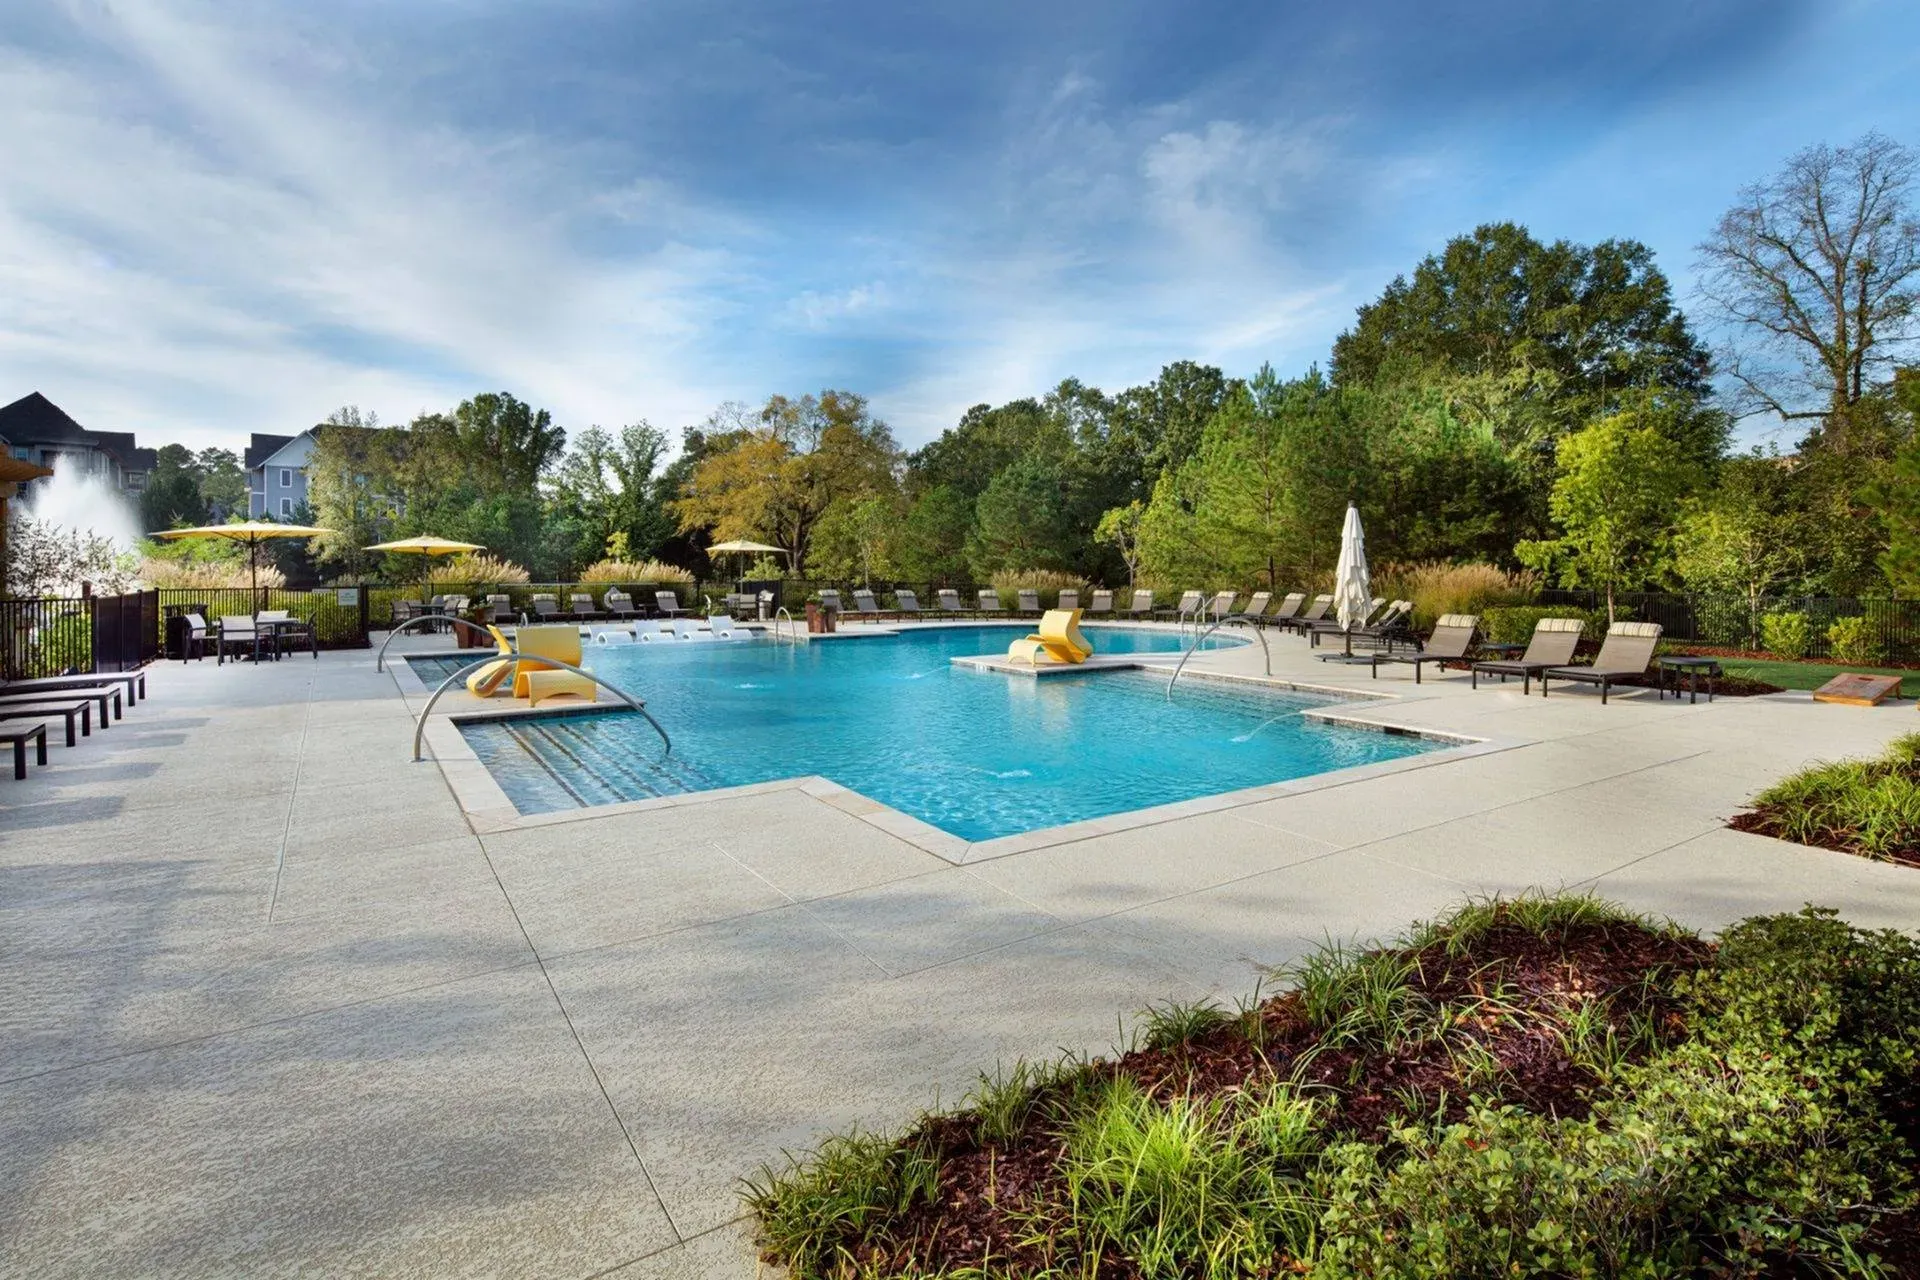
(1868, 807)
(1543, 1087)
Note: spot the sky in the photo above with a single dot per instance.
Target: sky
(235, 217)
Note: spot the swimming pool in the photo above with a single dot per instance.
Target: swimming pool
(977, 754)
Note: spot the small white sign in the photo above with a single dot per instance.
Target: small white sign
(349, 595)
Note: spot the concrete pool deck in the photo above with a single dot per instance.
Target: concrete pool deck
(271, 1003)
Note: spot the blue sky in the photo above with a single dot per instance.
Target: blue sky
(224, 218)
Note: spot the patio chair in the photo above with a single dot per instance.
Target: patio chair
(721, 627)
(499, 606)
(404, 610)
(536, 681)
(1188, 606)
(1451, 641)
(285, 638)
(1284, 611)
(651, 630)
(1552, 645)
(1101, 604)
(1027, 600)
(948, 601)
(619, 604)
(1257, 605)
(685, 628)
(237, 632)
(667, 604)
(196, 636)
(906, 602)
(1625, 654)
(546, 606)
(582, 605)
(1058, 640)
(1394, 626)
(1324, 625)
(1142, 606)
(1313, 613)
(1069, 598)
(1222, 604)
(607, 637)
(830, 600)
(989, 601)
(865, 605)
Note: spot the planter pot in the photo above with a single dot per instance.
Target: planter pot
(817, 619)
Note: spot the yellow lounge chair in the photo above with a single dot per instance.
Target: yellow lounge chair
(1058, 640)
(484, 682)
(536, 681)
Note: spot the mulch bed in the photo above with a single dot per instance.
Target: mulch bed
(1761, 655)
(988, 1190)
(1761, 822)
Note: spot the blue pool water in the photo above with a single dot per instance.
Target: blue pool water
(978, 754)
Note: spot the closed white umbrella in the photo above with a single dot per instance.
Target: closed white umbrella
(1352, 593)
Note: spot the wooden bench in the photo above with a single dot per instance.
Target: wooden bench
(69, 709)
(20, 735)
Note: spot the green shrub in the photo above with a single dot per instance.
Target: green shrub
(1513, 624)
(1854, 641)
(1788, 635)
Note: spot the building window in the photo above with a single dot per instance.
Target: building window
(286, 477)
(286, 506)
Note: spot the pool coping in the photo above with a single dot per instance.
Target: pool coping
(489, 811)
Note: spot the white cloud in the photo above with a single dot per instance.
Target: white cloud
(196, 226)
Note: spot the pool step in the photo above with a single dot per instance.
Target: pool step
(594, 760)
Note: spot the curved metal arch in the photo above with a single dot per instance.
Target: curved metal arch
(1258, 631)
(379, 661)
(420, 725)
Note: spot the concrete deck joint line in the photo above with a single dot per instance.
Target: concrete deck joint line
(293, 797)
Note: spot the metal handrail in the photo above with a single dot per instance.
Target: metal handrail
(420, 725)
(784, 612)
(379, 661)
(1199, 640)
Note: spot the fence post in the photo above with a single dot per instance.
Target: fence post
(363, 593)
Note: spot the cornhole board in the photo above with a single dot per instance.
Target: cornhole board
(1857, 690)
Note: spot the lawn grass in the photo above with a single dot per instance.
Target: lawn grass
(1811, 675)
(1548, 1087)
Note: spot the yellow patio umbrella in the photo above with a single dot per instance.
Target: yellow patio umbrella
(741, 547)
(251, 532)
(426, 547)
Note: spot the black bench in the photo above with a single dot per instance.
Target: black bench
(68, 709)
(20, 736)
(134, 682)
(108, 700)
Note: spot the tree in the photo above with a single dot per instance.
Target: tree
(853, 539)
(172, 497)
(355, 479)
(1161, 423)
(1600, 319)
(792, 464)
(605, 485)
(1818, 267)
(1022, 521)
(223, 483)
(1744, 537)
(45, 559)
(1120, 526)
(932, 545)
(1616, 501)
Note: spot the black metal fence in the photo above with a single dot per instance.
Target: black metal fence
(78, 634)
(341, 616)
(1734, 622)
